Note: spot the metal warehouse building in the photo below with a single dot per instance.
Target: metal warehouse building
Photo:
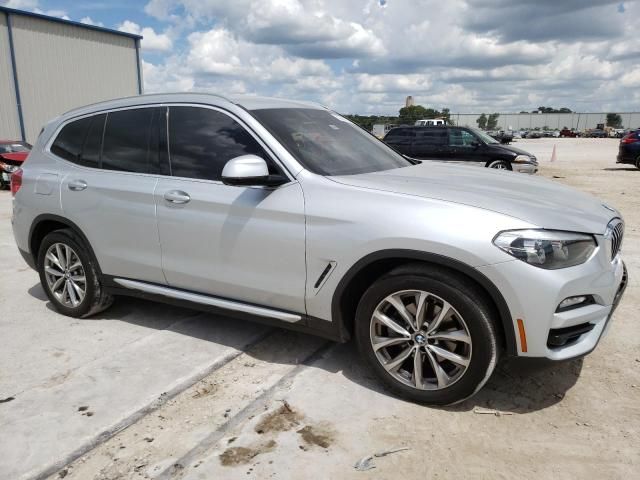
(49, 66)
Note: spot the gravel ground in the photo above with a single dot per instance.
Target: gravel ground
(240, 401)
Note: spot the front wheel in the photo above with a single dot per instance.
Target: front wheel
(428, 334)
(499, 165)
(69, 276)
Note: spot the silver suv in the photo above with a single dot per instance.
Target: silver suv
(286, 213)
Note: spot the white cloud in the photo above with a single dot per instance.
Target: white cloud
(152, 41)
(90, 21)
(366, 57)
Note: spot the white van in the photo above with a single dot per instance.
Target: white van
(431, 122)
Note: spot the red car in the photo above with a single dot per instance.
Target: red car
(12, 154)
(565, 132)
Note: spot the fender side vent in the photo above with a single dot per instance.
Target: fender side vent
(324, 274)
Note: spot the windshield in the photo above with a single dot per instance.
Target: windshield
(13, 148)
(328, 144)
(483, 136)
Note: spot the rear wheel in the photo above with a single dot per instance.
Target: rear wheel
(428, 334)
(499, 165)
(69, 276)
(638, 162)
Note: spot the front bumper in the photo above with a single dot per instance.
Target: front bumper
(533, 295)
(529, 168)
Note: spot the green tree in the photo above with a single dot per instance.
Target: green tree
(492, 121)
(614, 120)
(482, 121)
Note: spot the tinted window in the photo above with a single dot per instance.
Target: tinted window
(202, 141)
(399, 134)
(431, 136)
(461, 138)
(68, 144)
(328, 144)
(90, 156)
(131, 140)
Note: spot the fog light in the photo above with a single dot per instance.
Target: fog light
(572, 302)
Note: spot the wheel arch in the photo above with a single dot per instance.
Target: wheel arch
(46, 223)
(359, 277)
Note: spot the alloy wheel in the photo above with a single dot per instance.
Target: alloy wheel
(499, 166)
(420, 340)
(65, 275)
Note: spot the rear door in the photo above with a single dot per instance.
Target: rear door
(108, 187)
(431, 143)
(235, 242)
(401, 140)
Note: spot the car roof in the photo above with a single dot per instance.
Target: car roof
(248, 102)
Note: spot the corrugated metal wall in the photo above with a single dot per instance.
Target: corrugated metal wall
(60, 67)
(518, 121)
(9, 124)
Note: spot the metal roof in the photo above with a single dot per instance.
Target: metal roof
(13, 11)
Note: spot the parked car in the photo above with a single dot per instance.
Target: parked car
(597, 133)
(430, 122)
(629, 149)
(501, 136)
(566, 133)
(12, 154)
(460, 144)
(288, 214)
(534, 134)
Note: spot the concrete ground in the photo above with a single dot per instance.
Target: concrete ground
(150, 391)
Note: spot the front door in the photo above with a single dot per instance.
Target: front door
(465, 146)
(238, 243)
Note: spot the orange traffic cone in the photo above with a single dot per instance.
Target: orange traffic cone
(553, 154)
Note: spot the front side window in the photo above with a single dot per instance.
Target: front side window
(461, 138)
(131, 140)
(328, 144)
(202, 141)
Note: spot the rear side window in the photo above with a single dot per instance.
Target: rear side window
(90, 155)
(431, 136)
(201, 141)
(131, 140)
(68, 143)
(399, 134)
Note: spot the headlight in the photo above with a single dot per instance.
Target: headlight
(547, 248)
(522, 159)
(8, 168)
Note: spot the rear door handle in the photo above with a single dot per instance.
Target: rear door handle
(77, 185)
(177, 196)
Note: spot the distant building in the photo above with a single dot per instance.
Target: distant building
(409, 102)
(49, 65)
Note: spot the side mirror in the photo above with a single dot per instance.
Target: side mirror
(475, 144)
(249, 170)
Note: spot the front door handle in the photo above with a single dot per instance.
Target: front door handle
(77, 185)
(177, 196)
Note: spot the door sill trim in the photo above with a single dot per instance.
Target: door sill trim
(208, 300)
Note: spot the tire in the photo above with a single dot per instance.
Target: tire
(470, 315)
(499, 165)
(638, 162)
(84, 299)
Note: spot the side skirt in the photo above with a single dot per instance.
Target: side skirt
(298, 322)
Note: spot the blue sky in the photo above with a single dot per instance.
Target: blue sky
(366, 56)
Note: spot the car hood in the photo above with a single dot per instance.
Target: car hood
(535, 200)
(510, 149)
(18, 156)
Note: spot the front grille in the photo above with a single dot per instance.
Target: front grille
(616, 232)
